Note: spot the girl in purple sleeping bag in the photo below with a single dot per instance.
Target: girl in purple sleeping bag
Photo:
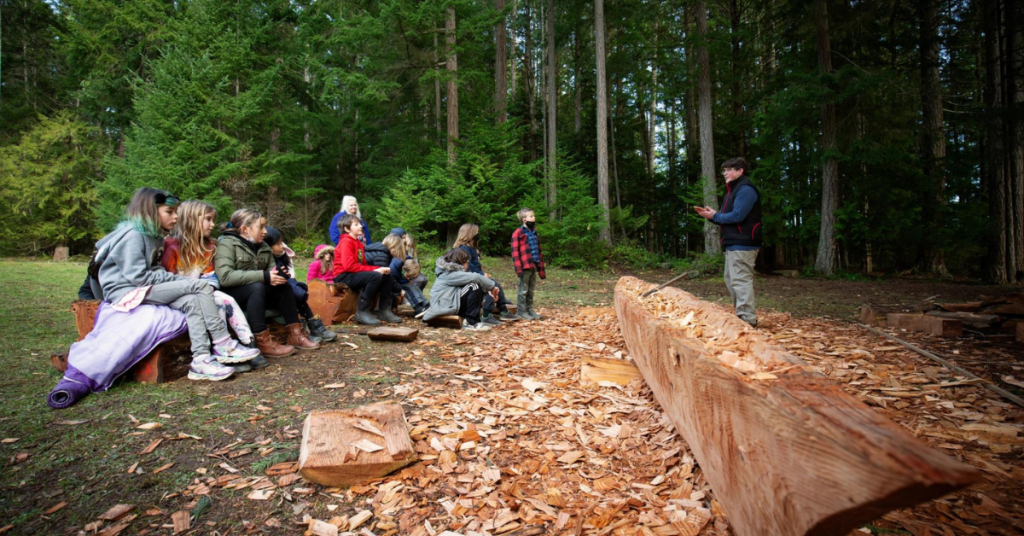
(127, 267)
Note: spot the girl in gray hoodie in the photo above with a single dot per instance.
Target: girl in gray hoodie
(128, 271)
(458, 291)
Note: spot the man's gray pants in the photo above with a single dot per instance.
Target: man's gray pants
(194, 298)
(739, 279)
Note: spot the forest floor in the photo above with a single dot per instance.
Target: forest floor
(536, 452)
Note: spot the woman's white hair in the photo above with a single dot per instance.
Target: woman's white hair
(345, 200)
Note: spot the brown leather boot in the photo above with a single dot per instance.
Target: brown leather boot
(297, 338)
(269, 347)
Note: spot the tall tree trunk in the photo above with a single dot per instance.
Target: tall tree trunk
(512, 38)
(825, 263)
(552, 113)
(1014, 12)
(737, 78)
(652, 126)
(712, 243)
(578, 90)
(453, 87)
(500, 66)
(614, 156)
(933, 146)
(531, 82)
(995, 177)
(602, 121)
(437, 97)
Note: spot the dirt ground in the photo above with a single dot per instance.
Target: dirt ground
(534, 451)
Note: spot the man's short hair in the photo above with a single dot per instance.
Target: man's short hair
(736, 163)
(523, 212)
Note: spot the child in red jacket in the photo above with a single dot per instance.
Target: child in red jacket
(350, 269)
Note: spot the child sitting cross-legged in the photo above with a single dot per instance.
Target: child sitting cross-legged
(283, 260)
(371, 282)
(459, 291)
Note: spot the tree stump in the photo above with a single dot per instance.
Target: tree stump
(348, 447)
(60, 254)
(336, 304)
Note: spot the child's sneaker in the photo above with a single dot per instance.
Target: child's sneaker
(423, 312)
(479, 326)
(533, 314)
(508, 316)
(491, 320)
(523, 314)
(205, 367)
(233, 352)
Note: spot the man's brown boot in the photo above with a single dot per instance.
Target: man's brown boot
(297, 338)
(269, 347)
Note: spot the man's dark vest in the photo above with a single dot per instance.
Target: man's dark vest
(748, 231)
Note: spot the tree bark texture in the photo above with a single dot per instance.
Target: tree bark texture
(552, 112)
(712, 243)
(933, 143)
(453, 88)
(825, 263)
(602, 121)
(500, 66)
(995, 176)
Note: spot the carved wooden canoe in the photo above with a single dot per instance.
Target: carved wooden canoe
(786, 451)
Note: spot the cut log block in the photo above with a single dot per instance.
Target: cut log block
(788, 453)
(970, 307)
(336, 304)
(870, 317)
(975, 320)
(393, 334)
(159, 366)
(940, 327)
(447, 321)
(347, 447)
(596, 369)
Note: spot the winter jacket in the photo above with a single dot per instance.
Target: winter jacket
(377, 254)
(350, 257)
(522, 259)
(336, 233)
(474, 259)
(239, 262)
(128, 259)
(740, 217)
(444, 295)
(316, 268)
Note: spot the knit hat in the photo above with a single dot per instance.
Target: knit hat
(398, 231)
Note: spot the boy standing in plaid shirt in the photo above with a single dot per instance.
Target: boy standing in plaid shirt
(528, 261)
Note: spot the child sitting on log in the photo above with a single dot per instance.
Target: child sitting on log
(189, 252)
(322, 265)
(126, 267)
(371, 282)
(246, 269)
(457, 291)
(283, 256)
(468, 240)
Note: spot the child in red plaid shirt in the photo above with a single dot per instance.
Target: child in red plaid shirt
(528, 261)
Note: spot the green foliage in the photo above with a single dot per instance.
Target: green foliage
(47, 187)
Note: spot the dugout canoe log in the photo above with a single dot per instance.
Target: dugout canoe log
(786, 451)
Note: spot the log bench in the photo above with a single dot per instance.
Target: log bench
(160, 365)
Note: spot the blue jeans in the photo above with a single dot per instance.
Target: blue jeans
(415, 296)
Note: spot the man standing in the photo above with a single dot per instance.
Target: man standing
(740, 222)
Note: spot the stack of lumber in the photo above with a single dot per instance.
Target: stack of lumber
(996, 317)
(786, 451)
